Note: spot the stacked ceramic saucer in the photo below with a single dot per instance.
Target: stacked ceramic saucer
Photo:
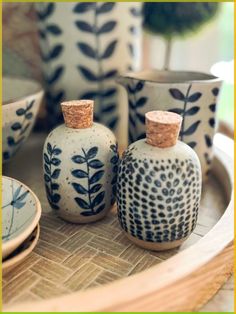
(21, 211)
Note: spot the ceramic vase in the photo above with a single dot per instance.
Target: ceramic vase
(80, 165)
(159, 186)
(84, 46)
(193, 95)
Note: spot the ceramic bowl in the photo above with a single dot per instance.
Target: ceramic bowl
(21, 211)
(21, 101)
(16, 257)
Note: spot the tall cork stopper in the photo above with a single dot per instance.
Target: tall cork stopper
(162, 128)
(78, 114)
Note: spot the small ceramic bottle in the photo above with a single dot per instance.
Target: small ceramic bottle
(159, 185)
(80, 165)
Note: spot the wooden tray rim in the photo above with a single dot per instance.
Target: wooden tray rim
(116, 296)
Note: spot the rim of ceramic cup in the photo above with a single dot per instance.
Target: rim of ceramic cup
(16, 241)
(33, 89)
(171, 77)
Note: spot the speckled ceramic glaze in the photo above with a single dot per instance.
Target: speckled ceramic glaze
(21, 101)
(159, 193)
(80, 171)
(21, 211)
(193, 95)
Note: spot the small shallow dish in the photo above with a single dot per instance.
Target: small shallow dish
(21, 102)
(21, 211)
(18, 256)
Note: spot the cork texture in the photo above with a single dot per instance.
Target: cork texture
(162, 128)
(78, 114)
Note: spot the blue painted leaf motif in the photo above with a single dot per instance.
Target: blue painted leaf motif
(113, 123)
(30, 105)
(22, 196)
(107, 27)
(54, 29)
(87, 50)
(82, 203)
(89, 95)
(49, 148)
(215, 91)
(131, 105)
(42, 34)
(141, 102)
(109, 108)
(114, 159)
(92, 152)
(84, 26)
(192, 111)
(96, 176)
(192, 128)
(20, 112)
(16, 126)
(55, 52)
(19, 205)
(43, 15)
(192, 144)
(177, 110)
(176, 94)
(135, 12)
(55, 161)
(139, 86)
(95, 188)
(57, 151)
(56, 173)
(56, 75)
(90, 76)
(109, 92)
(109, 74)
(79, 188)
(194, 97)
(84, 7)
(56, 198)
(141, 117)
(212, 122)
(78, 159)
(208, 140)
(95, 164)
(79, 174)
(29, 115)
(98, 199)
(16, 193)
(131, 90)
(6, 155)
(46, 168)
(46, 178)
(212, 107)
(109, 50)
(105, 7)
(55, 186)
(113, 181)
(131, 49)
(100, 208)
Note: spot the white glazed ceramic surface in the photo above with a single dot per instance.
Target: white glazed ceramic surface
(85, 50)
(80, 169)
(20, 254)
(21, 211)
(158, 192)
(190, 94)
(21, 101)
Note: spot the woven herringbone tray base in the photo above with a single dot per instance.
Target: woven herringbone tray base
(71, 257)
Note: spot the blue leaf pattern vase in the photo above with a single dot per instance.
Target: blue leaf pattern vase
(84, 51)
(80, 161)
(193, 95)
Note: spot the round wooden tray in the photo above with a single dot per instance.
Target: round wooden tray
(74, 264)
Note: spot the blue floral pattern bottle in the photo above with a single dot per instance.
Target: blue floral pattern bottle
(80, 162)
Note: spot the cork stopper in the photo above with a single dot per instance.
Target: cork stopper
(162, 128)
(78, 114)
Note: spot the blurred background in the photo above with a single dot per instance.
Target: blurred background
(210, 49)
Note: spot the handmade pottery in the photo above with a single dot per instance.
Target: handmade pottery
(21, 101)
(193, 95)
(19, 255)
(80, 165)
(21, 211)
(159, 185)
(84, 46)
